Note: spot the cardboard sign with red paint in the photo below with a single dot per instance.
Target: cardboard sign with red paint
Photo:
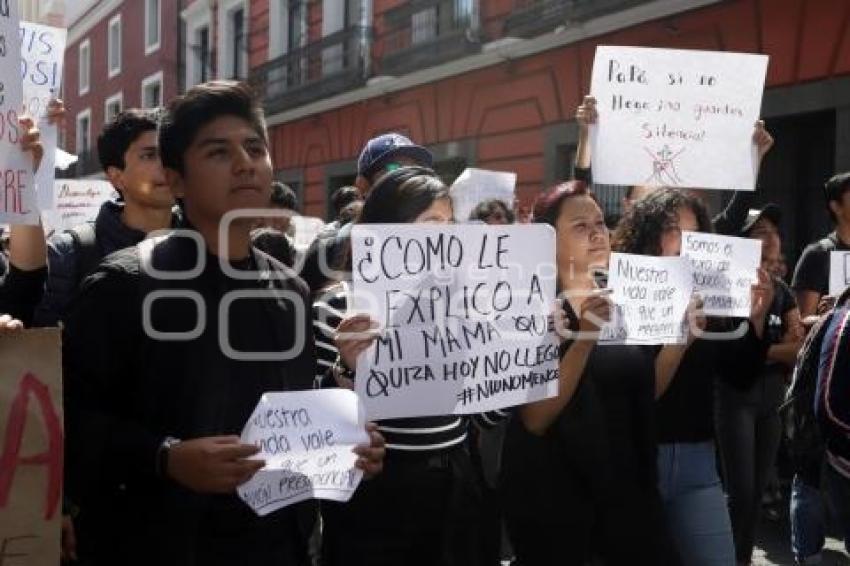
(31, 440)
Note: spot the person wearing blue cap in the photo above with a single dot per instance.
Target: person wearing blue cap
(388, 152)
(380, 155)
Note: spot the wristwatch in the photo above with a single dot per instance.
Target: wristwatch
(162, 455)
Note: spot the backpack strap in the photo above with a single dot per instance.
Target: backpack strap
(88, 253)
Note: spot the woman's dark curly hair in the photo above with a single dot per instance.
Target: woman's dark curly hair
(640, 230)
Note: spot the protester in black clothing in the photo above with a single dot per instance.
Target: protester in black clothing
(811, 276)
(425, 508)
(127, 150)
(733, 350)
(747, 418)
(152, 416)
(578, 474)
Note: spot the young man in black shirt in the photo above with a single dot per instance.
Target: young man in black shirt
(811, 277)
(158, 388)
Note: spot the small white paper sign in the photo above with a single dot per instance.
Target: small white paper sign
(839, 272)
(724, 269)
(76, 201)
(651, 296)
(306, 439)
(475, 186)
(465, 313)
(678, 118)
(306, 230)
(42, 57)
(18, 204)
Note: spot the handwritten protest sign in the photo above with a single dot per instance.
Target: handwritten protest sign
(30, 447)
(676, 117)
(17, 186)
(76, 201)
(475, 186)
(306, 439)
(42, 55)
(839, 272)
(651, 295)
(465, 313)
(724, 269)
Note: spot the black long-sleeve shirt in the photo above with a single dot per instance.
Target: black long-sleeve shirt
(126, 391)
(21, 291)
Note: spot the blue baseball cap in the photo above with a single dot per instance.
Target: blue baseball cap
(381, 149)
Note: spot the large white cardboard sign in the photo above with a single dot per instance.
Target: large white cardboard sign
(678, 118)
(464, 313)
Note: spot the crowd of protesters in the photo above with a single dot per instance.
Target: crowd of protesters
(650, 455)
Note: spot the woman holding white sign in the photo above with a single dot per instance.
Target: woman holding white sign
(579, 472)
(425, 508)
(733, 350)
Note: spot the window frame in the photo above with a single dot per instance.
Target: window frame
(150, 48)
(113, 22)
(85, 45)
(155, 78)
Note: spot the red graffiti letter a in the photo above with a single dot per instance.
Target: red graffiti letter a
(14, 438)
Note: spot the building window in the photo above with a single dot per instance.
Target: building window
(112, 108)
(203, 54)
(198, 48)
(114, 47)
(152, 91)
(237, 38)
(232, 39)
(424, 25)
(83, 131)
(85, 66)
(152, 25)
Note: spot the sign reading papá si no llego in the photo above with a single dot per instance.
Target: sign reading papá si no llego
(676, 118)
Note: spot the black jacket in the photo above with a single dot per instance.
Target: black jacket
(126, 390)
(63, 260)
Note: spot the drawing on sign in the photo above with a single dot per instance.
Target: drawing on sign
(31, 447)
(664, 166)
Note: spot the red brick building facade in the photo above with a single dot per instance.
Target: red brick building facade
(489, 83)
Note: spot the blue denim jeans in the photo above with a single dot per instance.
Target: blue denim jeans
(807, 521)
(695, 506)
(837, 490)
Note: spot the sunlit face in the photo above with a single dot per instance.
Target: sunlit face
(671, 238)
(142, 180)
(583, 239)
(227, 167)
(440, 212)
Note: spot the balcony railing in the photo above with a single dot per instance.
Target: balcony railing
(334, 64)
(423, 33)
(533, 17)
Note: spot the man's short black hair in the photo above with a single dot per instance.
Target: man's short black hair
(117, 136)
(283, 196)
(834, 189)
(203, 103)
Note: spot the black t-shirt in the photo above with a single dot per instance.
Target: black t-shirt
(812, 271)
(686, 409)
(783, 301)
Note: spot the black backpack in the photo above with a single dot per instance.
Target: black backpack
(802, 430)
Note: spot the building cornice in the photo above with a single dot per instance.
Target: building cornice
(91, 18)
